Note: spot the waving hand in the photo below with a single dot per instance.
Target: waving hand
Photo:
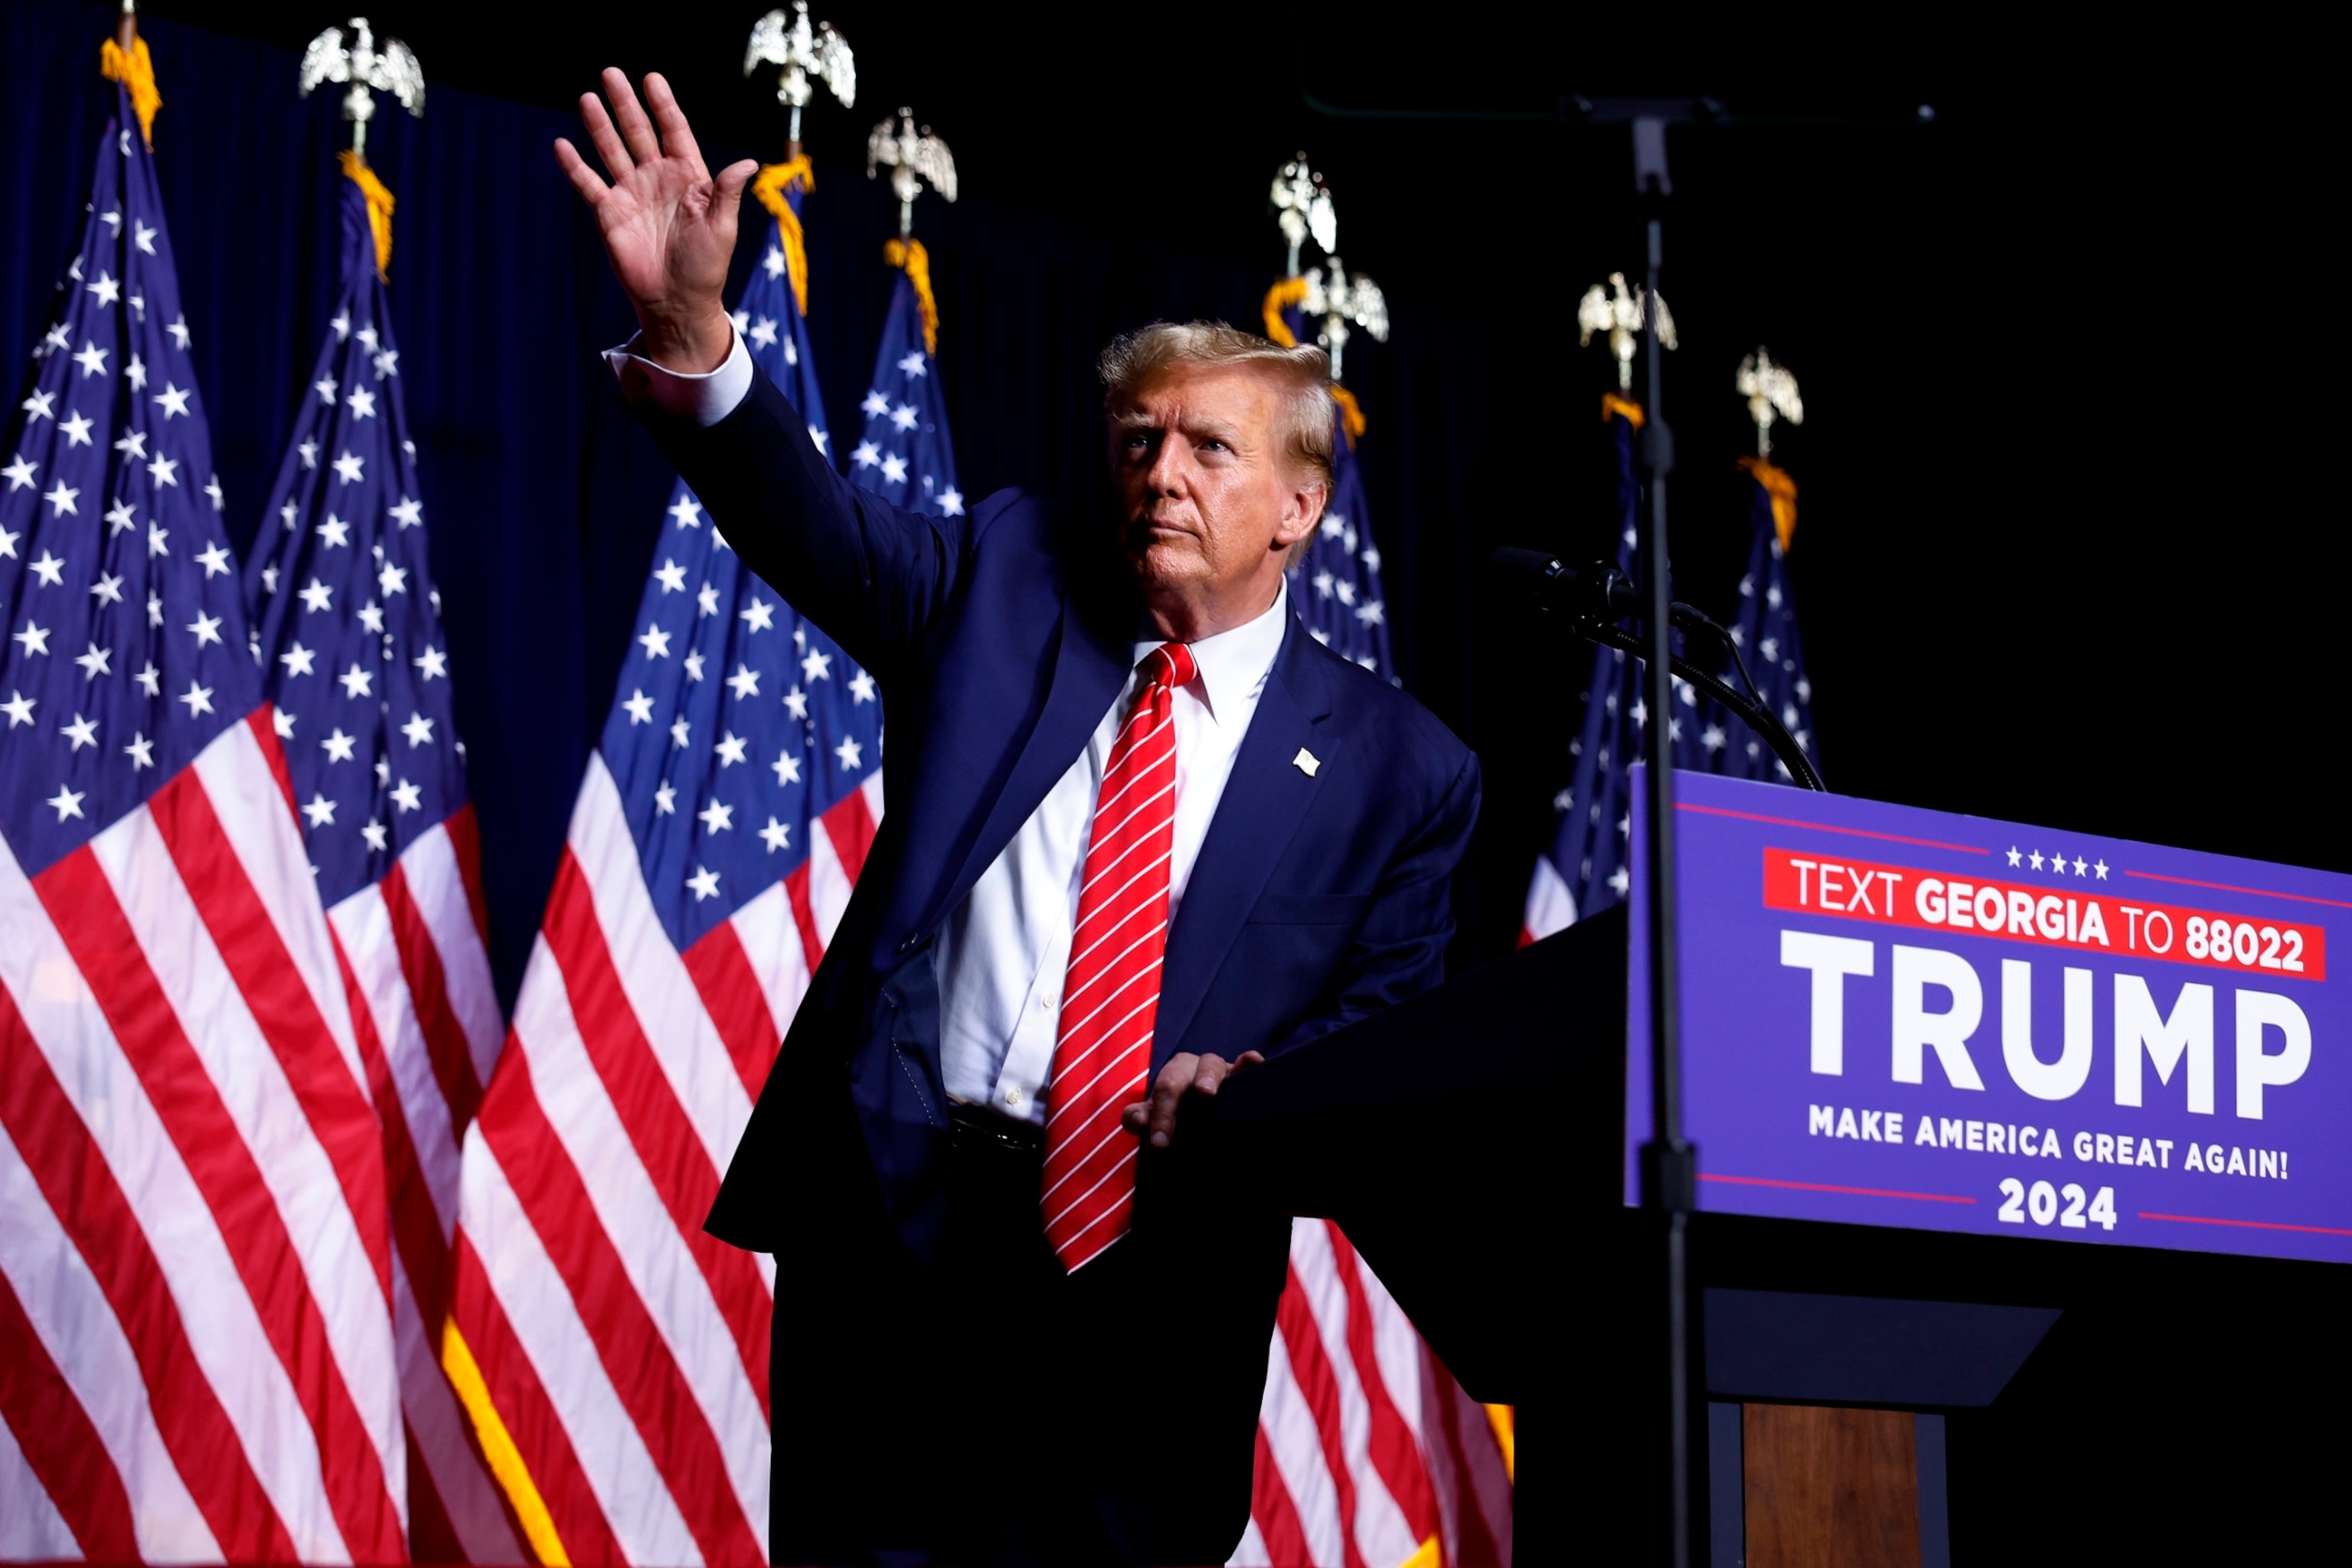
(668, 226)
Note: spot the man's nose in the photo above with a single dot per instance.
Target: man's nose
(1167, 473)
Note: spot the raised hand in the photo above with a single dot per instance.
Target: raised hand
(668, 226)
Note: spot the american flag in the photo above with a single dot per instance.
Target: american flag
(1766, 632)
(348, 636)
(196, 1347)
(904, 454)
(1369, 1453)
(1336, 581)
(1585, 871)
(613, 1355)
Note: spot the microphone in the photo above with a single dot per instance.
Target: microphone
(1598, 593)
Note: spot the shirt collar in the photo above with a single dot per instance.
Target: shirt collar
(1233, 664)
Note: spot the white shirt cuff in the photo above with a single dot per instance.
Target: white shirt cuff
(703, 399)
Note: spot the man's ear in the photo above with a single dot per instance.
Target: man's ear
(1301, 511)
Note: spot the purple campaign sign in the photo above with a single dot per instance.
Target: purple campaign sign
(1894, 1016)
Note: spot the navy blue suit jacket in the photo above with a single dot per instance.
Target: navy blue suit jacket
(1000, 640)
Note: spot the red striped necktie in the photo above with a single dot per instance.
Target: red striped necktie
(1110, 998)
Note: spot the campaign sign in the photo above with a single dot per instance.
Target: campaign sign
(1892, 1017)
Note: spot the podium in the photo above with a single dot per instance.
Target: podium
(2169, 1383)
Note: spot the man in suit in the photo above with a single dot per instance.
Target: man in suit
(1141, 831)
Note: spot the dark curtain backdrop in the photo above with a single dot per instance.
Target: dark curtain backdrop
(2069, 515)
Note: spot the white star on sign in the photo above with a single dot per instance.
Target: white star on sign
(744, 682)
(81, 732)
(76, 430)
(321, 811)
(776, 836)
(215, 561)
(2101, 867)
(704, 883)
(2014, 858)
(2079, 866)
(407, 796)
(199, 699)
(787, 767)
(94, 663)
(849, 752)
(19, 709)
(67, 801)
(816, 665)
(639, 707)
(671, 576)
(861, 688)
(350, 467)
(656, 642)
(2034, 859)
(173, 402)
(689, 513)
(141, 751)
(419, 730)
(357, 681)
(432, 665)
(340, 747)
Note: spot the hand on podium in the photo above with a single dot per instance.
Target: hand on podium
(668, 226)
(1154, 1119)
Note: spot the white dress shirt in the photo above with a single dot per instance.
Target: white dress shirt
(1001, 954)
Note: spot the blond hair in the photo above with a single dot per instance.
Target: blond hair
(1303, 421)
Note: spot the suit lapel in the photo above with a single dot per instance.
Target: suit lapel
(1265, 798)
(1088, 670)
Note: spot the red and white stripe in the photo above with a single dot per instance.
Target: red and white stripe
(1110, 996)
(621, 1351)
(417, 966)
(196, 1348)
(1551, 906)
(1369, 1454)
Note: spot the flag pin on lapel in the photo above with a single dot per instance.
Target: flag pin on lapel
(1306, 762)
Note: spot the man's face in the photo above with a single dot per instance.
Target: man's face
(1210, 503)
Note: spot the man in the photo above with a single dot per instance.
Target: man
(1141, 831)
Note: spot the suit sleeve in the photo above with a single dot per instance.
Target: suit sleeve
(873, 576)
(1400, 949)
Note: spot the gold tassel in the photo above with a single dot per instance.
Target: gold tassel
(379, 201)
(1351, 413)
(1283, 295)
(135, 72)
(910, 255)
(1612, 403)
(1784, 491)
(774, 180)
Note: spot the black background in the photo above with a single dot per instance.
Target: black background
(2072, 538)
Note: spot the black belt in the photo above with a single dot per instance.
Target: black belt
(976, 1127)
